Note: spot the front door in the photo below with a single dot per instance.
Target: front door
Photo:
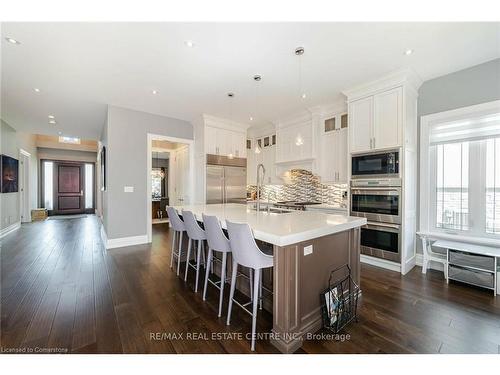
(68, 188)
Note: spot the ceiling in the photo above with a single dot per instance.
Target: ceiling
(79, 68)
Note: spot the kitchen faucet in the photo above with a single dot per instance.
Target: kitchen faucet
(269, 199)
(259, 183)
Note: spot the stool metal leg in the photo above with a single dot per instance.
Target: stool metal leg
(173, 248)
(207, 272)
(198, 263)
(223, 281)
(255, 302)
(187, 259)
(231, 293)
(251, 283)
(260, 289)
(179, 252)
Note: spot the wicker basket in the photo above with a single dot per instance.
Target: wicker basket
(38, 214)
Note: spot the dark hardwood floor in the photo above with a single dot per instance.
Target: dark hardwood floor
(61, 291)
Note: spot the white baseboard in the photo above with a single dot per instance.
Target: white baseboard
(126, 241)
(11, 228)
(382, 263)
(112, 243)
(432, 265)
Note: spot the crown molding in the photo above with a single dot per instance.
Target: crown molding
(403, 77)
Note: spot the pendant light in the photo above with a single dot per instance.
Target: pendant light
(230, 95)
(257, 78)
(299, 51)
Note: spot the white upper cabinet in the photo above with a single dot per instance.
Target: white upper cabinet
(295, 142)
(219, 141)
(266, 156)
(333, 159)
(211, 140)
(361, 124)
(388, 109)
(376, 121)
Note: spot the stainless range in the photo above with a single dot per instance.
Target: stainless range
(294, 205)
(379, 200)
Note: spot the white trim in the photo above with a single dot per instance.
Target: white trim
(382, 263)
(104, 237)
(126, 241)
(25, 187)
(402, 77)
(11, 228)
(149, 157)
(123, 241)
(426, 220)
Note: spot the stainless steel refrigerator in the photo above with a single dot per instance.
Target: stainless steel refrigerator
(226, 183)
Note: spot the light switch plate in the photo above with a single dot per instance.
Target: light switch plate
(308, 250)
(128, 189)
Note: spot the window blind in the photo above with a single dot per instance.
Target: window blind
(483, 126)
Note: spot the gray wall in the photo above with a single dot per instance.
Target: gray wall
(475, 85)
(11, 141)
(126, 139)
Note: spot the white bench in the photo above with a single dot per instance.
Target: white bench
(464, 262)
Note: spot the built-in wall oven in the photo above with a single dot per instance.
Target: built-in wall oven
(379, 201)
(381, 240)
(375, 165)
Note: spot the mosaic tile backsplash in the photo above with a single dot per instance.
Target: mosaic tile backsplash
(303, 186)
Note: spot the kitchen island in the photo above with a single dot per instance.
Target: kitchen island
(306, 247)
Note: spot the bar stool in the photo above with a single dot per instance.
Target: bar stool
(195, 233)
(246, 253)
(218, 242)
(178, 227)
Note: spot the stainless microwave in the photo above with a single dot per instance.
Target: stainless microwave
(375, 165)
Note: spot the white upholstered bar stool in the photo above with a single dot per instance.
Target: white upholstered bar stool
(218, 242)
(178, 229)
(246, 253)
(195, 233)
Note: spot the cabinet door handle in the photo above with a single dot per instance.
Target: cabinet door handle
(371, 143)
(374, 142)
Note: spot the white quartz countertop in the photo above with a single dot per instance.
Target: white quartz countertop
(324, 206)
(278, 229)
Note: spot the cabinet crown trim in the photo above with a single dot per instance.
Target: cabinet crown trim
(403, 77)
(222, 123)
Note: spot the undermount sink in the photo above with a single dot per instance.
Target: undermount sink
(273, 210)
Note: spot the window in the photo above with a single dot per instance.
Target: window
(47, 185)
(460, 171)
(452, 186)
(492, 189)
(72, 140)
(156, 181)
(89, 186)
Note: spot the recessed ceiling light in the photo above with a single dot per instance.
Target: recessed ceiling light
(12, 40)
(304, 96)
(189, 43)
(36, 89)
(251, 118)
(408, 52)
(51, 117)
(53, 122)
(230, 94)
(154, 92)
(59, 133)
